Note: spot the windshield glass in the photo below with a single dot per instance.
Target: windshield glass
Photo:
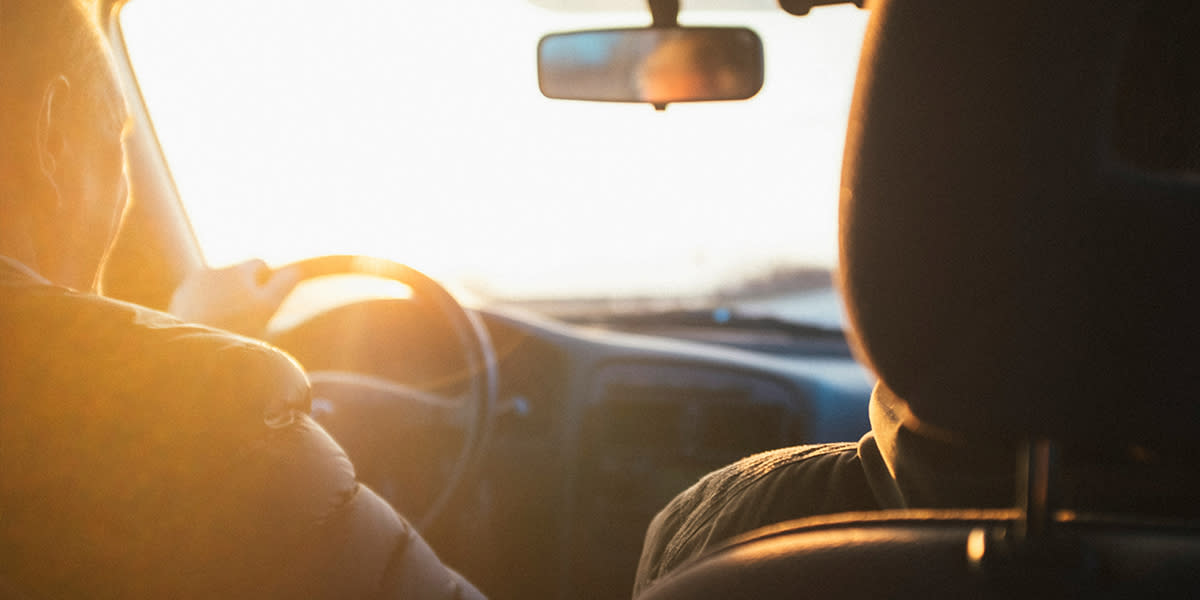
(415, 131)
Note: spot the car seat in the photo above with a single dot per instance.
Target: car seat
(1019, 224)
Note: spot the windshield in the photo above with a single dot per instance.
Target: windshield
(416, 132)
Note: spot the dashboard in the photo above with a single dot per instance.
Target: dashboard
(594, 432)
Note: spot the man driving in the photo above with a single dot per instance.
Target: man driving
(144, 456)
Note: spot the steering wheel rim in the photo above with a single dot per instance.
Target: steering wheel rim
(478, 353)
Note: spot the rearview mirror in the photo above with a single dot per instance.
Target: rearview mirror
(655, 65)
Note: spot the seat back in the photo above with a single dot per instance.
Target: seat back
(943, 554)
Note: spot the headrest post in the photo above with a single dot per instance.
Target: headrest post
(1038, 473)
(1029, 551)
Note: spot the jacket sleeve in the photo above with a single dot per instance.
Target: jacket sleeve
(144, 457)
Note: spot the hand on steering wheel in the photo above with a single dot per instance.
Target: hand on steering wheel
(240, 298)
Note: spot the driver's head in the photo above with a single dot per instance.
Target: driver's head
(62, 115)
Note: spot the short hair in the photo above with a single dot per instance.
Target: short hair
(39, 41)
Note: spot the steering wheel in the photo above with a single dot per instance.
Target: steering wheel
(380, 400)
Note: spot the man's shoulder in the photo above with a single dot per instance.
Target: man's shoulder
(79, 347)
(771, 484)
(748, 477)
(774, 463)
(759, 490)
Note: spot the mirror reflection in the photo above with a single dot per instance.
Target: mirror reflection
(659, 66)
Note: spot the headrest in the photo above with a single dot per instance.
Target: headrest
(1020, 215)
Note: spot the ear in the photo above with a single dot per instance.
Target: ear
(49, 136)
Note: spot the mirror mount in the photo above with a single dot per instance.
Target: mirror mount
(665, 13)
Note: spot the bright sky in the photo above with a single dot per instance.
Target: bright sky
(415, 131)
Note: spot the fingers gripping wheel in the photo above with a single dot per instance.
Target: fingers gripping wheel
(471, 411)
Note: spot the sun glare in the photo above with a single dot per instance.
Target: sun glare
(415, 131)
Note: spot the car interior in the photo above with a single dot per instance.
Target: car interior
(532, 440)
(1014, 187)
